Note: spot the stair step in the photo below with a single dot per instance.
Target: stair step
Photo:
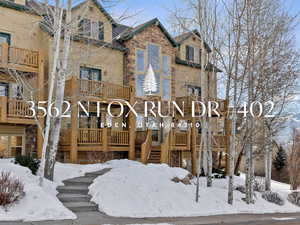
(73, 197)
(78, 189)
(81, 206)
(79, 181)
(98, 173)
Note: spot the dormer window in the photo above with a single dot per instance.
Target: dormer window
(91, 29)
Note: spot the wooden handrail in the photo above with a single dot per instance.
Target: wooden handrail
(118, 138)
(165, 147)
(18, 108)
(103, 89)
(89, 136)
(18, 56)
(146, 147)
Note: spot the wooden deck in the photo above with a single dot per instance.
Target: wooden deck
(20, 59)
(15, 111)
(94, 139)
(96, 89)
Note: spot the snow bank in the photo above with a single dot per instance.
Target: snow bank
(39, 203)
(132, 189)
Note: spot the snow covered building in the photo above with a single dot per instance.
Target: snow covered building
(108, 61)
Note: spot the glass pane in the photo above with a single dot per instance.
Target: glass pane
(95, 74)
(157, 78)
(101, 31)
(153, 56)
(84, 73)
(140, 121)
(166, 89)
(139, 85)
(3, 89)
(166, 65)
(4, 38)
(153, 123)
(140, 60)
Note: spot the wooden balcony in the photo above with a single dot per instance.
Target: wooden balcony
(20, 59)
(96, 89)
(97, 139)
(180, 140)
(15, 111)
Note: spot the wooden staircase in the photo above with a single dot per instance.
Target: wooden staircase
(154, 156)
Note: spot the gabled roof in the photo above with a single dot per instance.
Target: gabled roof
(100, 7)
(182, 37)
(130, 33)
(15, 6)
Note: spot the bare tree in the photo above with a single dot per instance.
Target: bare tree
(294, 160)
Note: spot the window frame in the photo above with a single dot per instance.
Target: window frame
(6, 86)
(7, 36)
(90, 69)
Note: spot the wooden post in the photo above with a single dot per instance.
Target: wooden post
(74, 121)
(3, 112)
(132, 127)
(4, 54)
(194, 148)
(105, 139)
(40, 97)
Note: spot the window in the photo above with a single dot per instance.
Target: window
(101, 31)
(140, 60)
(17, 90)
(91, 29)
(166, 65)
(91, 121)
(140, 122)
(139, 85)
(87, 73)
(4, 38)
(189, 51)
(200, 55)
(166, 89)
(194, 90)
(3, 89)
(153, 56)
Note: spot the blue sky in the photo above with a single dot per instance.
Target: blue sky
(149, 9)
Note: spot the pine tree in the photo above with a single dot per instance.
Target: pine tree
(280, 159)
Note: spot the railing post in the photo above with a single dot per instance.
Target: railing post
(105, 139)
(74, 122)
(3, 104)
(132, 127)
(40, 97)
(4, 54)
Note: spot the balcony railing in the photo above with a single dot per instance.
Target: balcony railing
(101, 89)
(17, 110)
(18, 58)
(98, 136)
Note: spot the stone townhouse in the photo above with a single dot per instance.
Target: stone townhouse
(108, 61)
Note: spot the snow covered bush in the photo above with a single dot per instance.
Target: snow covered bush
(259, 184)
(29, 162)
(11, 189)
(186, 180)
(294, 198)
(273, 197)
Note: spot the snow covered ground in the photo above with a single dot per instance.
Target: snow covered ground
(132, 189)
(39, 203)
